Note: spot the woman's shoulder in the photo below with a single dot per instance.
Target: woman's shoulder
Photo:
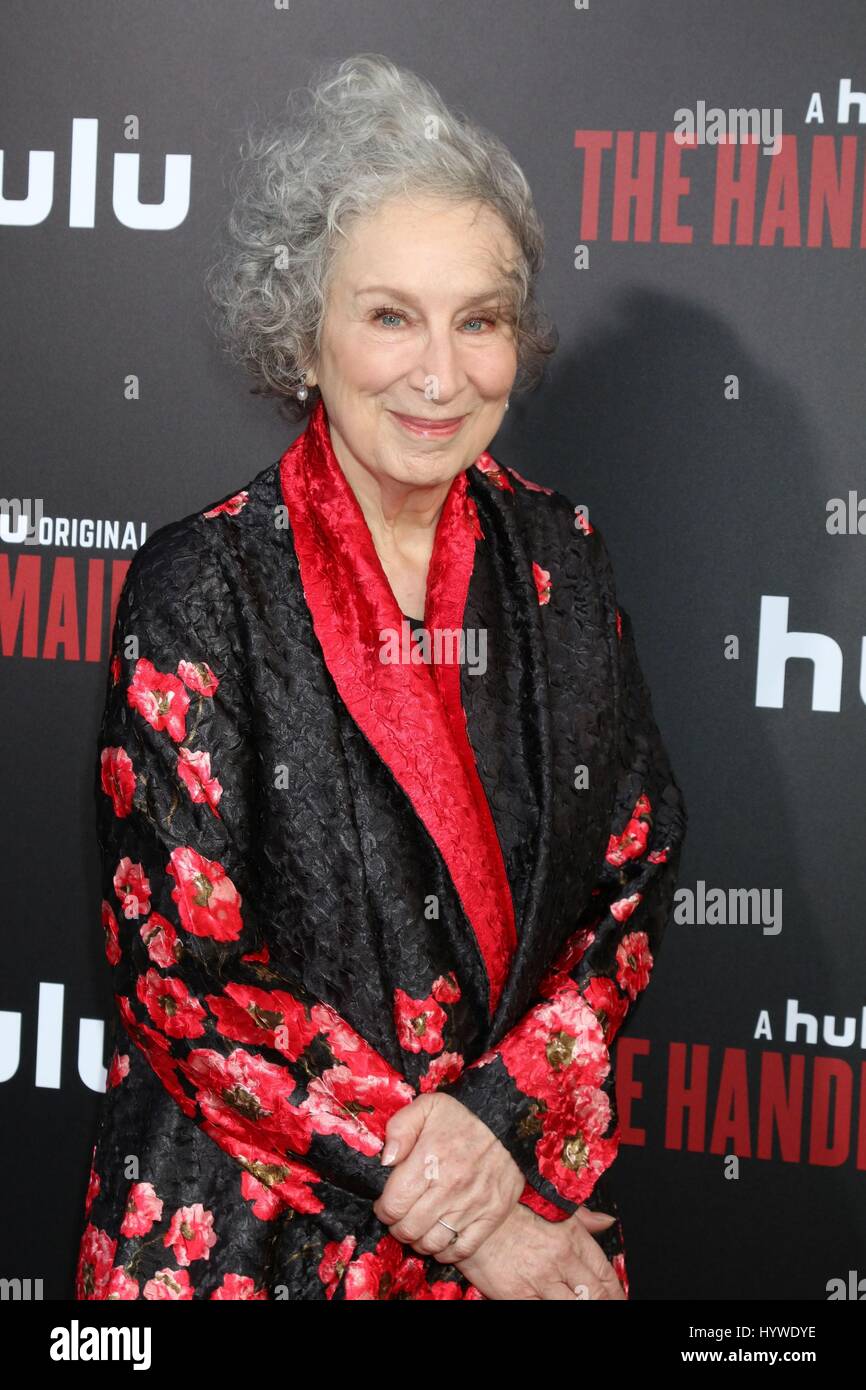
(185, 562)
(546, 514)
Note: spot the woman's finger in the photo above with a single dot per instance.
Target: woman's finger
(402, 1131)
(594, 1220)
(439, 1241)
(600, 1283)
(429, 1228)
(589, 1265)
(406, 1185)
(473, 1212)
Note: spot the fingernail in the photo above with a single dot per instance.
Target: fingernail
(389, 1153)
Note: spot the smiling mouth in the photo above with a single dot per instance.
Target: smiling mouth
(418, 424)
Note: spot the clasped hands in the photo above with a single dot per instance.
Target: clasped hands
(449, 1167)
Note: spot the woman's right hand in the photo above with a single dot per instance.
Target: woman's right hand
(527, 1257)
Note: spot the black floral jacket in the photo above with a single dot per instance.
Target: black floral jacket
(341, 870)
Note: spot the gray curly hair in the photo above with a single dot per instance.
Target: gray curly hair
(366, 132)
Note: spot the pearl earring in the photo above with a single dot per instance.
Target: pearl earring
(508, 403)
(302, 392)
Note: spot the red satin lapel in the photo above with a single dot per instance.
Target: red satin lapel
(412, 714)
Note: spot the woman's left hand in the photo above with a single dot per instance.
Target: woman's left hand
(448, 1166)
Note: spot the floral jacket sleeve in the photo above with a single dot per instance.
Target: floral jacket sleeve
(273, 1075)
(546, 1088)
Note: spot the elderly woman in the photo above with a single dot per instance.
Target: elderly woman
(389, 835)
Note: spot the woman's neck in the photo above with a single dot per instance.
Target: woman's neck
(402, 522)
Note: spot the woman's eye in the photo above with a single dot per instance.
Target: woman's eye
(381, 314)
(387, 317)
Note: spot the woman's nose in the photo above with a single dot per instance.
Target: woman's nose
(440, 366)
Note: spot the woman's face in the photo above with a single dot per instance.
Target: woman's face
(412, 327)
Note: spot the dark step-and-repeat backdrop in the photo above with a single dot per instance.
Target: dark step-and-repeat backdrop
(699, 170)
